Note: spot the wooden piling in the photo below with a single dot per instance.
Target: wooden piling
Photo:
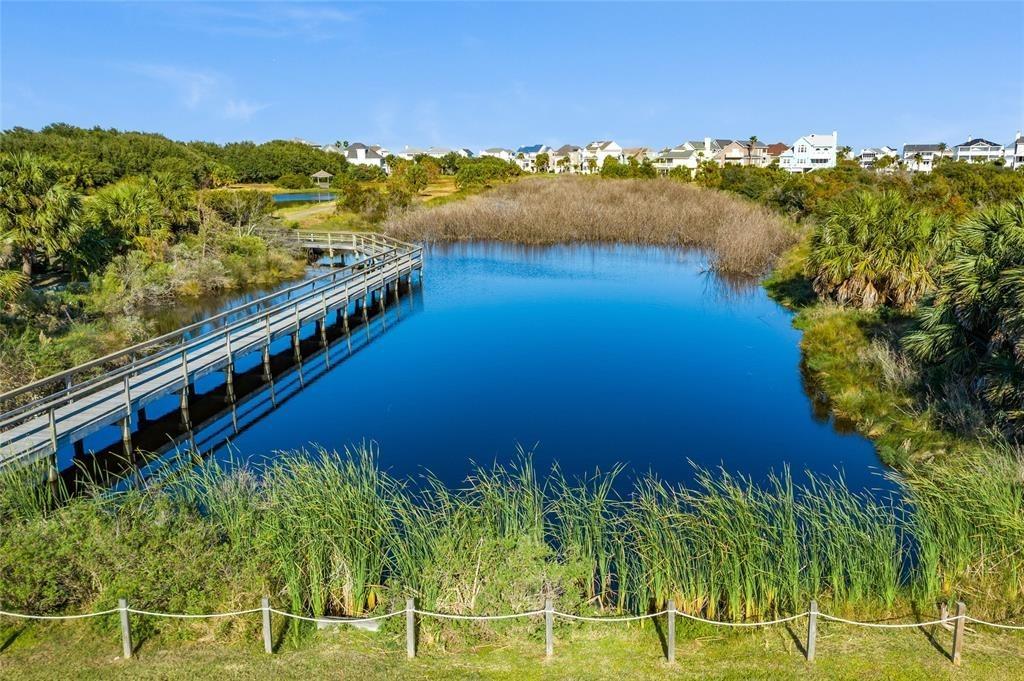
(126, 632)
(410, 628)
(958, 631)
(549, 627)
(268, 634)
(812, 630)
(670, 635)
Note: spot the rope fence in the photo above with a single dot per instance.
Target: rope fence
(956, 622)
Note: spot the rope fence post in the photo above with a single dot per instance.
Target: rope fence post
(410, 627)
(958, 631)
(549, 627)
(812, 629)
(268, 637)
(126, 632)
(670, 637)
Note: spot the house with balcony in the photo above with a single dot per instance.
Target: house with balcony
(595, 154)
(742, 153)
(979, 150)
(869, 155)
(921, 158)
(526, 157)
(811, 152)
(1014, 152)
(668, 159)
(776, 150)
(362, 155)
(498, 152)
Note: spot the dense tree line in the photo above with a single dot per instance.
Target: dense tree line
(91, 158)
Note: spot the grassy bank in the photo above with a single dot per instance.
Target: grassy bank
(739, 236)
(330, 533)
(581, 651)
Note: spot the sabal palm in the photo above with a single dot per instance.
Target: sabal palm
(974, 327)
(875, 249)
(38, 214)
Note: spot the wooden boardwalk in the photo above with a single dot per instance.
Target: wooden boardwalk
(67, 407)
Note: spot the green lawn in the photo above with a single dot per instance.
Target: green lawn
(582, 651)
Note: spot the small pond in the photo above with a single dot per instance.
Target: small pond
(588, 356)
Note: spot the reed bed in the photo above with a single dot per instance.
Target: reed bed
(740, 237)
(331, 533)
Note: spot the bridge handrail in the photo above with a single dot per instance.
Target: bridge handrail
(119, 374)
(177, 335)
(199, 345)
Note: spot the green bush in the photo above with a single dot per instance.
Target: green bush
(294, 181)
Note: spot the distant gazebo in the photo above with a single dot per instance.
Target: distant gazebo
(322, 179)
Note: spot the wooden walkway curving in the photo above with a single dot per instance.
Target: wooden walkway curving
(67, 407)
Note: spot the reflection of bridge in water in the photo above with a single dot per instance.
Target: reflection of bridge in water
(59, 412)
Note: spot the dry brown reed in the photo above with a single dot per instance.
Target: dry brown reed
(738, 236)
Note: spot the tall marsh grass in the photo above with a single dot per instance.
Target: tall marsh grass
(331, 533)
(739, 236)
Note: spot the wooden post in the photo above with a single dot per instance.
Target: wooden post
(944, 614)
(229, 372)
(267, 376)
(410, 627)
(812, 630)
(126, 423)
(344, 317)
(268, 638)
(958, 631)
(186, 420)
(53, 432)
(670, 636)
(126, 632)
(549, 627)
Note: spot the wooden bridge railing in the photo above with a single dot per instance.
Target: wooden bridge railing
(173, 361)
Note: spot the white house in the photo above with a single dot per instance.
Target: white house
(498, 152)
(526, 156)
(867, 156)
(598, 151)
(567, 158)
(811, 152)
(921, 158)
(1014, 152)
(678, 157)
(361, 155)
(978, 150)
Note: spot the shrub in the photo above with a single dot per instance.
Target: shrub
(294, 181)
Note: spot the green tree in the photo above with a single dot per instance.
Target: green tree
(973, 328)
(130, 208)
(543, 162)
(592, 164)
(417, 177)
(38, 214)
(875, 249)
(751, 143)
(450, 163)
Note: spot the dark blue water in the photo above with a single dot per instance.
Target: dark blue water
(588, 356)
(307, 196)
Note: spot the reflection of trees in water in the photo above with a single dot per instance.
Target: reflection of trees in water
(729, 288)
(821, 406)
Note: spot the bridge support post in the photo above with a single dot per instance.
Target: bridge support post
(186, 419)
(296, 348)
(126, 436)
(79, 446)
(366, 318)
(344, 318)
(229, 383)
(267, 376)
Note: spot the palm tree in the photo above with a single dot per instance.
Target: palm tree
(917, 160)
(750, 149)
(974, 327)
(875, 249)
(38, 214)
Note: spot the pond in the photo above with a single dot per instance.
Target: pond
(588, 356)
(304, 196)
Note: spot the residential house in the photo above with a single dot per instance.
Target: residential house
(1014, 153)
(811, 152)
(703, 150)
(567, 158)
(775, 151)
(869, 155)
(740, 152)
(595, 154)
(498, 152)
(921, 158)
(361, 155)
(526, 156)
(669, 159)
(409, 153)
(978, 150)
(638, 154)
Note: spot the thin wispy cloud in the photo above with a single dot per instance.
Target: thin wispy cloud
(200, 90)
(264, 20)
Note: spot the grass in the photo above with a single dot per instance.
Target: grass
(739, 236)
(581, 651)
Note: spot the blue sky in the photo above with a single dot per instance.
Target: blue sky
(479, 75)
